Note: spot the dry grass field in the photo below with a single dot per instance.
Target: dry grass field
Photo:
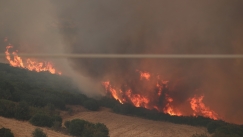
(127, 126)
(25, 129)
(119, 125)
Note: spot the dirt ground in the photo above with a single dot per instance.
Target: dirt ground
(119, 125)
(127, 126)
(25, 129)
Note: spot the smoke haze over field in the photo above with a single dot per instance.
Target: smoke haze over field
(131, 26)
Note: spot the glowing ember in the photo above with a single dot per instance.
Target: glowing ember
(199, 108)
(30, 64)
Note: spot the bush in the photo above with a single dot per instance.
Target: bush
(220, 134)
(199, 135)
(22, 111)
(91, 105)
(7, 108)
(84, 128)
(229, 130)
(57, 122)
(38, 133)
(212, 126)
(41, 120)
(101, 130)
(67, 124)
(4, 132)
(76, 127)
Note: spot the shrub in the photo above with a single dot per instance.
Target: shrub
(212, 126)
(57, 122)
(41, 120)
(22, 111)
(4, 132)
(220, 134)
(7, 108)
(38, 133)
(91, 105)
(76, 127)
(199, 135)
(229, 130)
(101, 130)
(84, 128)
(67, 124)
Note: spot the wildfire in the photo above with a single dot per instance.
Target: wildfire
(30, 64)
(137, 100)
(113, 92)
(199, 108)
(168, 107)
(157, 97)
(144, 75)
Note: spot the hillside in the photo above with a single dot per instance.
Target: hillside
(25, 129)
(119, 125)
(127, 126)
(28, 96)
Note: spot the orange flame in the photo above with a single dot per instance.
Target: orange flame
(144, 75)
(112, 90)
(137, 100)
(159, 99)
(30, 63)
(169, 108)
(199, 108)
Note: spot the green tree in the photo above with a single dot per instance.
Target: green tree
(76, 127)
(22, 111)
(230, 130)
(101, 130)
(38, 133)
(67, 124)
(91, 105)
(7, 108)
(5, 132)
(41, 120)
(82, 128)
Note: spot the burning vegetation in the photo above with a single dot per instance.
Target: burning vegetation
(152, 92)
(145, 90)
(30, 64)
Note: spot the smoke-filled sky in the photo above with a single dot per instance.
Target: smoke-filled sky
(132, 26)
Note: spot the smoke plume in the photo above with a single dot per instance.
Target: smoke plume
(144, 27)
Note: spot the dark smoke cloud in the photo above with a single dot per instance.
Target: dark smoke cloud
(132, 26)
(177, 27)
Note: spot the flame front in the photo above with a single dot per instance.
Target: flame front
(30, 64)
(199, 108)
(158, 97)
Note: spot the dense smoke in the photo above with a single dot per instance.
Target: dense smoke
(33, 27)
(129, 26)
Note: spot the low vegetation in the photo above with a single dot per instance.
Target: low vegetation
(5, 132)
(38, 133)
(27, 95)
(199, 135)
(82, 128)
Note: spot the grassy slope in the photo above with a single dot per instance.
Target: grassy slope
(25, 129)
(127, 126)
(119, 125)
